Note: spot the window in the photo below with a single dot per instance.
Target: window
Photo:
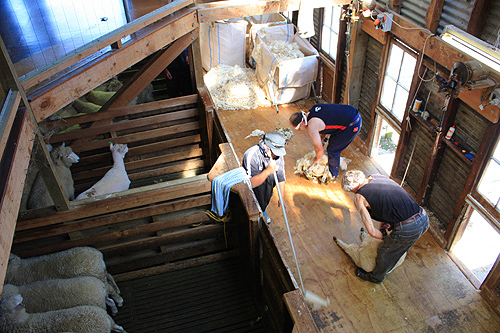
(479, 246)
(384, 147)
(397, 81)
(489, 187)
(330, 30)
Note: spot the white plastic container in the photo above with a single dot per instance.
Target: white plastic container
(450, 132)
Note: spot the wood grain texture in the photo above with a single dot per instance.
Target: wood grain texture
(427, 293)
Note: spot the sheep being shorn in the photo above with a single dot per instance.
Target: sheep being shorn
(77, 261)
(364, 255)
(115, 180)
(317, 172)
(81, 319)
(63, 158)
(56, 294)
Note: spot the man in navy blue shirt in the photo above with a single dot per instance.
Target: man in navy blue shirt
(341, 122)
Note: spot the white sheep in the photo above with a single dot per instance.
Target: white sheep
(63, 158)
(317, 172)
(81, 319)
(77, 261)
(364, 255)
(56, 294)
(115, 180)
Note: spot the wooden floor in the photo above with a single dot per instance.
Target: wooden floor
(428, 293)
(210, 298)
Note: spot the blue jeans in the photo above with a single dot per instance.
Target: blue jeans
(398, 243)
(338, 142)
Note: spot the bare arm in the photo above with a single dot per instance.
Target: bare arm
(261, 177)
(361, 205)
(314, 127)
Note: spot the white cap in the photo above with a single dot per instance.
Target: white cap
(276, 142)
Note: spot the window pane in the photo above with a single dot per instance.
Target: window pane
(333, 45)
(388, 91)
(330, 30)
(328, 16)
(336, 19)
(398, 109)
(407, 70)
(325, 39)
(490, 182)
(394, 64)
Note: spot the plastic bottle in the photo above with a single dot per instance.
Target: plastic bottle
(450, 132)
(416, 105)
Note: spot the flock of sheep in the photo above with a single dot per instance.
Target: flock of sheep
(67, 291)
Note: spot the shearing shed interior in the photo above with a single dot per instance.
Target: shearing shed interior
(117, 116)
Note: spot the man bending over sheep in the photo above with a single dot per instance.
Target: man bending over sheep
(380, 198)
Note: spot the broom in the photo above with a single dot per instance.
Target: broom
(316, 301)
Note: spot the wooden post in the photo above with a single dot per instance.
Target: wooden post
(448, 116)
(339, 62)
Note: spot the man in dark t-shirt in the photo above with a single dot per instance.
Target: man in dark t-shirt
(260, 162)
(379, 198)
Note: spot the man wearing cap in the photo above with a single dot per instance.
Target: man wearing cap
(260, 162)
(341, 122)
(382, 199)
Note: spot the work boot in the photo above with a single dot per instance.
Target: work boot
(362, 274)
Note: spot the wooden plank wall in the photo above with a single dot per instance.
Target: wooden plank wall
(164, 140)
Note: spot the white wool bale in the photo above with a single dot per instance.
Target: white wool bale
(282, 50)
(235, 88)
(223, 43)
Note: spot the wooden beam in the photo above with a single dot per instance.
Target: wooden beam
(299, 312)
(123, 200)
(150, 71)
(91, 132)
(339, 62)
(406, 124)
(433, 15)
(7, 115)
(450, 110)
(223, 10)
(171, 103)
(357, 56)
(37, 76)
(14, 165)
(208, 107)
(477, 19)
(118, 217)
(62, 92)
(435, 48)
(48, 172)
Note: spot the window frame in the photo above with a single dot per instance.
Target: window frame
(382, 109)
(327, 53)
